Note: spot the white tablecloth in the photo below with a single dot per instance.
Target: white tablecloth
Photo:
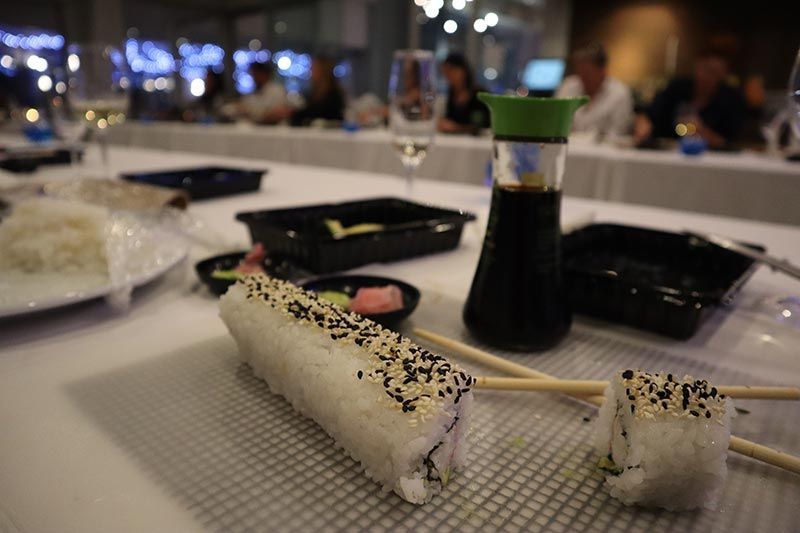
(745, 185)
(61, 471)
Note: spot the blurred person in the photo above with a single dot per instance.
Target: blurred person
(367, 110)
(410, 100)
(610, 107)
(268, 103)
(325, 100)
(210, 105)
(213, 97)
(464, 113)
(755, 99)
(706, 101)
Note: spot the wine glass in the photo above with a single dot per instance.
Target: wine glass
(97, 98)
(794, 96)
(785, 309)
(412, 91)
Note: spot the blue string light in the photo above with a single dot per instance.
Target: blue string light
(197, 58)
(32, 41)
(149, 58)
(294, 67)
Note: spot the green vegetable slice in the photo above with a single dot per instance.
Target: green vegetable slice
(228, 275)
(608, 465)
(339, 298)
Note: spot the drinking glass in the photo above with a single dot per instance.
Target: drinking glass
(412, 91)
(97, 97)
(794, 96)
(785, 309)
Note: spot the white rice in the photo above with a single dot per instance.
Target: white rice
(403, 451)
(43, 235)
(669, 456)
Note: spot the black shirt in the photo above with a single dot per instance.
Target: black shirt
(329, 107)
(473, 113)
(724, 113)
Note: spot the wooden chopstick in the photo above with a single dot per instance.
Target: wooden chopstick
(592, 387)
(736, 444)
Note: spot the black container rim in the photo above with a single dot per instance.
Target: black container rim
(709, 297)
(445, 217)
(166, 172)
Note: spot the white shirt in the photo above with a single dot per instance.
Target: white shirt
(271, 96)
(609, 112)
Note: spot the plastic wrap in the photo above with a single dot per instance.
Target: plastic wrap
(138, 247)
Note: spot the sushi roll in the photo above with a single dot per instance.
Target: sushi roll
(399, 410)
(663, 440)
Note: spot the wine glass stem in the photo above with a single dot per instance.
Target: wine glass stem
(409, 175)
(74, 156)
(102, 141)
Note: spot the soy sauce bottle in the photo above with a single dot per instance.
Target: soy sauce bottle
(518, 298)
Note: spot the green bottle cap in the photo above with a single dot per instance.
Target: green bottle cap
(518, 116)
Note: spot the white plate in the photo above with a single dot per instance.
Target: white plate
(48, 291)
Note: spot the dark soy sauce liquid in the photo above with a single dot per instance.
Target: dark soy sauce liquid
(517, 300)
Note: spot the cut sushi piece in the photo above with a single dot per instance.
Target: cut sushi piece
(396, 408)
(664, 440)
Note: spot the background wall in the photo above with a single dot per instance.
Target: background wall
(650, 40)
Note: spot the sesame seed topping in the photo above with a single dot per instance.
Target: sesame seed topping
(655, 395)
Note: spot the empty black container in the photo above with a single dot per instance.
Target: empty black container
(411, 230)
(202, 182)
(658, 281)
(28, 160)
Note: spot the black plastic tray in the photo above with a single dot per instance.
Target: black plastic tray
(411, 230)
(663, 282)
(203, 182)
(28, 160)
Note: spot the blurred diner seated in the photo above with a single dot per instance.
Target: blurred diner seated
(464, 113)
(267, 104)
(367, 111)
(209, 106)
(325, 99)
(706, 105)
(609, 112)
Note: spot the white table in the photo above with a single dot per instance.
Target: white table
(745, 185)
(61, 470)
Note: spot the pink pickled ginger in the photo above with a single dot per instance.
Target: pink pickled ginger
(377, 300)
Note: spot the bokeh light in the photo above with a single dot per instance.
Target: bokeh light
(197, 87)
(37, 63)
(45, 83)
(73, 62)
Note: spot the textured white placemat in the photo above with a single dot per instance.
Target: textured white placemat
(241, 459)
